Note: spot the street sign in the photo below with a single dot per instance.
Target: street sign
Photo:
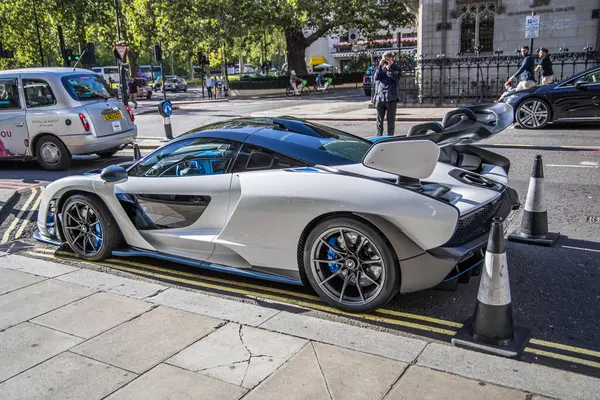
(532, 27)
(165, 108)
(352, 35)
(121, 50)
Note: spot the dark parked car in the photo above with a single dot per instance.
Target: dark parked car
(575, 99)
(368, 80)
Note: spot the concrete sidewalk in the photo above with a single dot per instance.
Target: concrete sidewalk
(70, 333)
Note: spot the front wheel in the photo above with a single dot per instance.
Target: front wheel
(350, 265)
(90, 229)
(289, 91)
(533, 114)
(330, 89)
(52, 154)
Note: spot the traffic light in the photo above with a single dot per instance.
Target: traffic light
(89, 57)
(157, 53)
(70, 56)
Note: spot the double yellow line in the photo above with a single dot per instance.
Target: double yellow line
(24, 215)
(390, 317)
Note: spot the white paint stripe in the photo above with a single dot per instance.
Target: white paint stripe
(535, 201)
(29, 215)
(571, 166)
(15, 222)
(494, 287)
(581, 248)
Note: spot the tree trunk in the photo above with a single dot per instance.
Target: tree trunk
(296, 50)
(241, 64)
(191, 65)
(132, 57)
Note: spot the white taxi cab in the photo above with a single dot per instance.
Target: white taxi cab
(51, 114)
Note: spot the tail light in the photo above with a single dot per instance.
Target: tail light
(84, 121)
(130, 113)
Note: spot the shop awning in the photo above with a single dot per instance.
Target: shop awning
(316, 60)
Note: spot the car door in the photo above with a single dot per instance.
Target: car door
(571, 101)
(14, 139)
(178, 196)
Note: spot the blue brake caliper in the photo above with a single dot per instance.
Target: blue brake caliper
(332, 255)
(98, 241)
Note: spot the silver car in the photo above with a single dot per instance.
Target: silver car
(175, 84)
(53, 113)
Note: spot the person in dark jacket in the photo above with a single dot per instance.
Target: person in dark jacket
(386, 79)
(545, 65)
(526, 73)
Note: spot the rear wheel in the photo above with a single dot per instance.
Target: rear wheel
(52, 154)
(350, 265)
(89, 228)
(533, 114)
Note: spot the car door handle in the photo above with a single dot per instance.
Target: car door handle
(19, 124)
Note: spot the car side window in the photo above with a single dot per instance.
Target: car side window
(192, 157)
(38, 93)
(9, 94)
(254, 158)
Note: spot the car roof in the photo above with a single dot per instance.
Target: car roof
(286, 135)
(61, 71)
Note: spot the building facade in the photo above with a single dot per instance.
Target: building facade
(464, 27)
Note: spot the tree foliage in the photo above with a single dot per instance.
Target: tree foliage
(255, 30)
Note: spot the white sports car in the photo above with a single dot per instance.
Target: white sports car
(296, 202)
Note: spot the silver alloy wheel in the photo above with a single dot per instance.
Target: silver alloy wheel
(347, 266)
(83, 228)
(533, 114)
(50, 153)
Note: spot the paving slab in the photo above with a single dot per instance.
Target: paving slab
(237, 354)
(354, 375)
(112, 283)
(67, 376)
(299, 379)
(13, 280)
(217, 307)
(26, 345)
(420, 383)
(144, 342)
(351, 337)
(93, 315)
(34, 266)
(510, 373)
(165, 382)
(37, 299)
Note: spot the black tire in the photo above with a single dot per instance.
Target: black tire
(537, 106)
(289, 91)
(111, 234)
(185, 90)
(149, 96)
(389, 273)
(107, 154)
(367, 93)
(330, 89)
(52, 143)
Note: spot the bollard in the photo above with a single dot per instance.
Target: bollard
(491, 329)
(165, 109)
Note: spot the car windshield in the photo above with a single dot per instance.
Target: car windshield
(86, 87)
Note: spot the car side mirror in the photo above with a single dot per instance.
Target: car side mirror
(114, 174)
(580, 84)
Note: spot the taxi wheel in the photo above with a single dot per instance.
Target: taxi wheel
(52, 154)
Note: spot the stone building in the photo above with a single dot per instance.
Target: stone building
(449, 27)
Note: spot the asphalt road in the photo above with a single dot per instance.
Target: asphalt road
(555, 291)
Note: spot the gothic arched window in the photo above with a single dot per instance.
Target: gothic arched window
(477, 27)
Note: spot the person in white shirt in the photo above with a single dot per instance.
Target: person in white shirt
(209, 86)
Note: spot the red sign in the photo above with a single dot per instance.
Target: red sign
(121, 50)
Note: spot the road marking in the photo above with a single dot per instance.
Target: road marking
(571, 166)
(581, 248)
(541, 145)
(320, 307)
(562, 357)
(30, 214)
(15, 222)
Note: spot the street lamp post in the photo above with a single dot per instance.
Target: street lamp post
(37, 30)
(120, 62)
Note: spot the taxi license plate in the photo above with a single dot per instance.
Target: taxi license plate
(113, 116)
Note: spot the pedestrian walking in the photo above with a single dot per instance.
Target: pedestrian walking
(133, 92)
(209, 85)
(386, 78)
(545, 66)
(294, 82)
(220, 86)
(526, 72)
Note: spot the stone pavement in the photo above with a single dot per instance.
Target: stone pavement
(70, 333)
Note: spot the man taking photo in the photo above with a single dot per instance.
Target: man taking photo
(386, 78)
